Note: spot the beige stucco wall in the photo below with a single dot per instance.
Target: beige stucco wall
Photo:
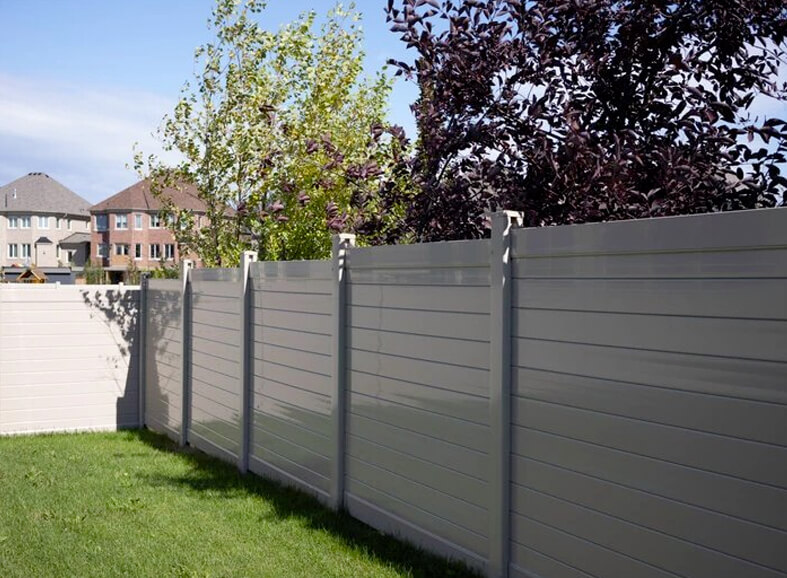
(43, 256)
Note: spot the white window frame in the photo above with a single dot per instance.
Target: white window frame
(13, 251)
(138, 221)
(119, 252)
(24, 222)
(44, 220)
(69, 224)
(155, 221)
(104, 254)
(99, 226)
(59, 223)
(137, 251)
(121, 221)
(27, 248)
(169, 255)
(157, 251)
(70, 254)
(13, 222)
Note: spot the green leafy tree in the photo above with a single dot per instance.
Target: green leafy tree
(281, 134)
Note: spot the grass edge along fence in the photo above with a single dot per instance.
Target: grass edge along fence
(606, 398)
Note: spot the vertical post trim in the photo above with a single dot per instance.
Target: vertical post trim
(246, 384)
(341, 243)
(142, 337)
(500, 390)
(185, 353)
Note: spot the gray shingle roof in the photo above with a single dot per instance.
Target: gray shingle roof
(40, 193)
(76, 238)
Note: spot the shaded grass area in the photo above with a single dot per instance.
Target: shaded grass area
(133, 504)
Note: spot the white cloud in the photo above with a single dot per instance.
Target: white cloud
(82, 137)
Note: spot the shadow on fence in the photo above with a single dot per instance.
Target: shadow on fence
(211, 474)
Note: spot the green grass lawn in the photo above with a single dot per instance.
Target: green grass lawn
(132, 504)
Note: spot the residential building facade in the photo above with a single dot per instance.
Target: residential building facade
(37, 215)
(130, 232)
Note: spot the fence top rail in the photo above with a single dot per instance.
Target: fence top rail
(738, 230)
(9, 287)
(445, 254)
(225, 275)
(290, 269)
(165, 285)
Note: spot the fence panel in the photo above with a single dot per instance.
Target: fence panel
(650, 398)
(291, 419)
(417, 427)
(214, 381)
(68, 358)
(164, 357)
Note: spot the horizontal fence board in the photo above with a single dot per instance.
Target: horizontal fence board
(225, 368)
(297, 454)
(208, 303)
(719, 532)
(459, 276)
(694, 265)
(421, 470)
(464, 433)
(293, 321)
(302, 379)
(290, 270)
(467, 380)
(297, 302)
(583, 554)
(299, 476)
(304, 400)
(312, 342)
(654, 548)
(419, 496)
(418, 517)
(293, 285)
(306, 360)
(540, 564)
(740, 418)
(747, 460)
(288, 429)
(442, 401)
(216, 276)
(735, 338)
(426, 348)
(212, 333)
(424, 255)
(228, 399)
(470, 326)
(746, 379)
(302, 417)
(421, 298)
(723, 494)
(464, 460)
(737, 298)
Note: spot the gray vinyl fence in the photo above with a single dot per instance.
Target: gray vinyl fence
(602, 400)
(68, 358)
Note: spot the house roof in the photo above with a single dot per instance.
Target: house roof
(43, 241)
(138, 197)
(40, 193)
(76, 238)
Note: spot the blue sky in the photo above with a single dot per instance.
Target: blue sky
(82, 80)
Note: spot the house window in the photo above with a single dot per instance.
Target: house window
(59, 223)
(155, 221)
(121, 222)
(43, 222)
(102, 250)
(70, 256)
(25, 250)
(138, 251)
(138, 222)
(121, 249)
(13, 222)
(155, 251)
(102, 222)
(24, 222)
(13, 251)
(169, 252)
(69, 224)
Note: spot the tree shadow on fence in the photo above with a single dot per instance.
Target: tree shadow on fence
(211, 474)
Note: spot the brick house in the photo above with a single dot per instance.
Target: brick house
(129, 229)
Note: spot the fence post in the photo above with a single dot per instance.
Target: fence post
(341, 243)
(142, 338)
(245, 367)
(185, 342)
(500, 389)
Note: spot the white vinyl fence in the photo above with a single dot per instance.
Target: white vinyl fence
(68, 358)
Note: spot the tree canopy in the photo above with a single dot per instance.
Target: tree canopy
(587, 110)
